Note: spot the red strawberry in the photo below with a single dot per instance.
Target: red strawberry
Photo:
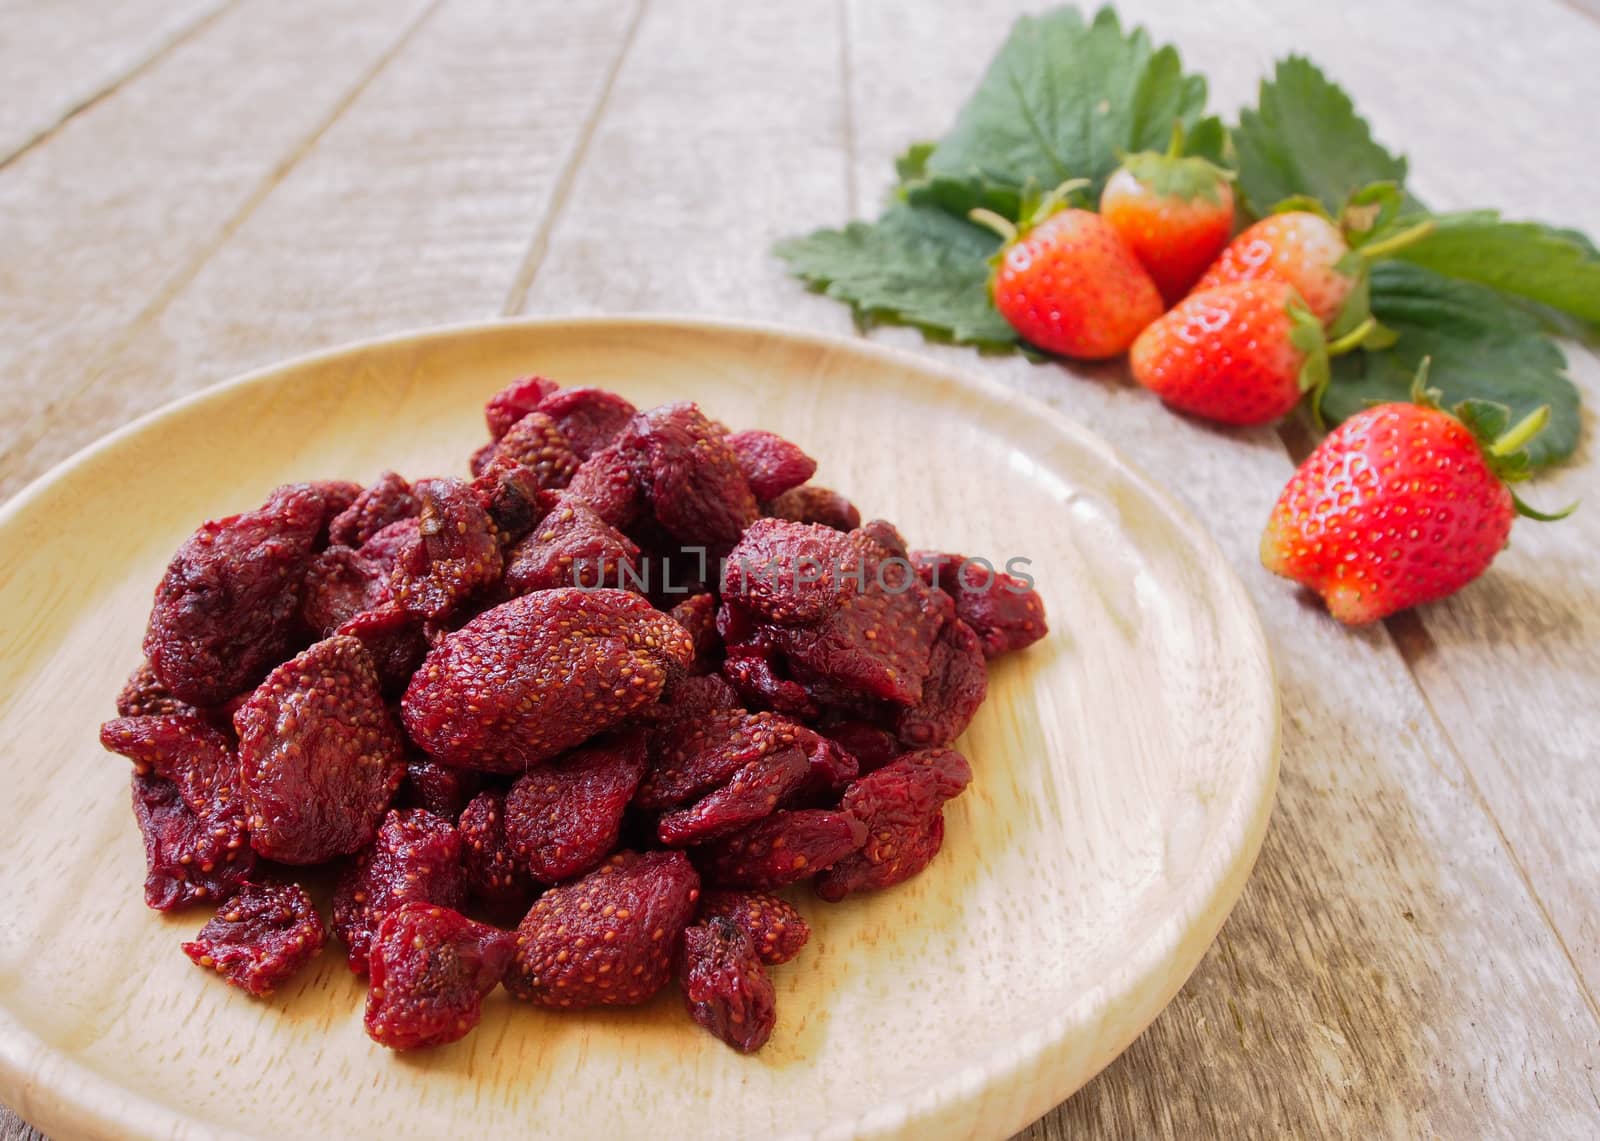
(1241, 353)
(1068, 284)
(1174, 213)
(1299, 248)
(1400, 505)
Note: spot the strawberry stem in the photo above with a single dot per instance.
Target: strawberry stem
(1394, 243)
(989, 220)
(1516, 437)
(1175, 147)
(1354, 339)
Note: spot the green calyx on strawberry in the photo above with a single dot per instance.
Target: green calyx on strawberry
(1319, 347)
(1171, 173)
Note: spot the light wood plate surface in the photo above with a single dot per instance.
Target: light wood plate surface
(1125, 772)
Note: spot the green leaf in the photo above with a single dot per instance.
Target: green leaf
(1304, 137)
(1482, 347)
(1551, 267)
(1065, 99)
(915, 265)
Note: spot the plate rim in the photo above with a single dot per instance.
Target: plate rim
(83, 1101)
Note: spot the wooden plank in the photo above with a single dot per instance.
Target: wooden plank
(1388, 971)
(127, 201)
(58, 57)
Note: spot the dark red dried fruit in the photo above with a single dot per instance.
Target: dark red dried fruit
(776, 930)
(879, 643)
(456, 551)
(513, 497)
(751, 794)
(480, 459)
(320, 757)
(416, 857)
(189, 858)
(388, 500)
(1003, 610)
(143, 695)
(494, 874)
(590, 418)
(384, 548)
(725, 987)
(690, 759)
(771, 464)
(394, 640)
(831, 768)
(789, 573)
(694, 696)
(871, 745)
(571, 546)
(698, 615)
(337, 496)
(785, 848)
(515, 401)
(952, 772)
(690, 476)
(186, 750)
(430, 968)
(607, 483)
(957, 682)
(441, 789)
(538, 445)
(261, 936)
(340, 584)
(227, 609)
(563, 817)
(900, 806)
(752, 671)
(812, 504)
(608, 939)
(535, 676)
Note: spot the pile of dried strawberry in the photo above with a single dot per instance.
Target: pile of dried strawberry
(532, 699)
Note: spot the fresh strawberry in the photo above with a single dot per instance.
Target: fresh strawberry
(1174, 213)
(1242, 353)
(1400, 505)
(1299, 248)
(1069, 285)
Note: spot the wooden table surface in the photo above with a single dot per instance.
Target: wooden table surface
(192, 188)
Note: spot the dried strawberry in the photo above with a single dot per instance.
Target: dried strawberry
(690, 476)
(607, 939)
(776, 930)
(606, 482)
(186, 750)
(143, 695)
(538, 445)
(952, 772)
(571, 546)
(227, 608)
(515, 401)
(535, 676)
(725, 987)
(394, 640)
(690, 758)
(430, 968)
(590, 418)
(785, 848)
(900, 806)
(340, 584)
(694, 696)
(441, 789)
(831, 768)
(812, 504)
(388, 500)
(1005, 611)
(480, 459)
(753, 673)
(494, 874)
(563, 817)
(189, 858)
(788, 573)
(513, 497)
(416, 856)
(957, 682)
(871, 745)
(752, 793)
(384, 547)
(320, 757)
(456, 551)
(337, 496)
(698, 615)
(261, 936)
(771, 464)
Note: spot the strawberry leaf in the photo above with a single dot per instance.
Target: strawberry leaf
(1483, 349)
(1304, 137)
(1550, 267)
(916, 265)
(1065, 99)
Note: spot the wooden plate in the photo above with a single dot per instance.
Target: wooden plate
(1125, 772)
